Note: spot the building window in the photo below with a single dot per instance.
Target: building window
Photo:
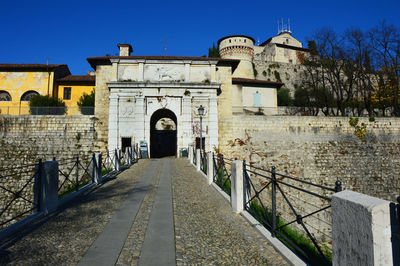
(286, 51)
(5, 96)
(244, 40)
(257, 99)
(67, 93)
(26, 97)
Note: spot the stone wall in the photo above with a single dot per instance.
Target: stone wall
(26, 139)
(321, 150)
(289, 74)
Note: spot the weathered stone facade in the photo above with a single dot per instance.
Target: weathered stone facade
(321, 150)
(318, 150)
(25, 139)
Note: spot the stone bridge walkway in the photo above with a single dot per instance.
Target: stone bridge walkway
(158, 212)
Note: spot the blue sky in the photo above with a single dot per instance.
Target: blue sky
(67, 32)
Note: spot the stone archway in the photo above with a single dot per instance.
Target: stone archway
(163, 137)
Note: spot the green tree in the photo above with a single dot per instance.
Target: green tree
(214, 51)
(284, 98)
(86, 103)
(46, 105)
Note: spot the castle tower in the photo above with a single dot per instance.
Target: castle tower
(239, 47)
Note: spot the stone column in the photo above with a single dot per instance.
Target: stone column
(139, 119)
(237, 186)
(141, 71)
(210, 168)
(113, 122)
(198, 159)
(187, 72)
(186, 121)
(213, 123)
(212, 72)
(361, 230)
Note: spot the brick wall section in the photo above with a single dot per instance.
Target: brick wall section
(321, 150)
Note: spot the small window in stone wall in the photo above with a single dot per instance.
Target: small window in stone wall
(257, 99)
(67, 93)
(5, 96)
(244, 40)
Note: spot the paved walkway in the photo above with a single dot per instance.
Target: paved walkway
(158, 212)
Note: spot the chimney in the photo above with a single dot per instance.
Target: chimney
(125, 49)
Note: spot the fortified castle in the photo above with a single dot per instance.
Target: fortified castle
(134, 92)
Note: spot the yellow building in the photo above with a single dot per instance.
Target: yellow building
(71, 88)
(19, 82)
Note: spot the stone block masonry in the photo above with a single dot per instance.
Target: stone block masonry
(25, 139)
(320, 149)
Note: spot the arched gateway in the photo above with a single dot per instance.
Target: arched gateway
(144, 90)
(163, 137)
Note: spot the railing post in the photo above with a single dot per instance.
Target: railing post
(97, 167)
(210, 167)
(129, 153)
(48, 198)
(77, 173)
(246, 188)
(116, 161)
(237, 186)
(361, 230)
(273, 200)
(38, 186)
(220, 164)
(338, 186)
(190, 155)
(198, 159)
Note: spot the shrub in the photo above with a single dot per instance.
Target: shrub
(284, 98)
(86, 103)
(277, 76)
(46, 105)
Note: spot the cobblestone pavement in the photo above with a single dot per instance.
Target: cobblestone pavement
(65, 238)
(207, 231)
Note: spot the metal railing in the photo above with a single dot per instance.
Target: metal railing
(74, 173)
(274, 200)
(17, 197)
(222, 172)
(21, 188)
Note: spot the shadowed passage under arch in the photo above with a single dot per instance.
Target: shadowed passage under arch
(163, 137)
